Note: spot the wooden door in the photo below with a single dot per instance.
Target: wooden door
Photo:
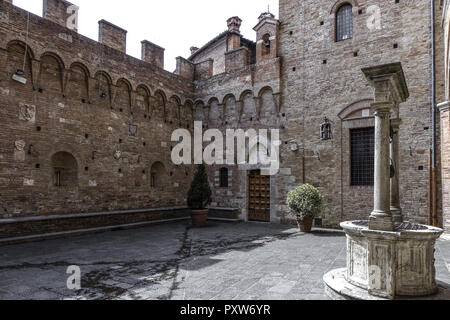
(259, 197)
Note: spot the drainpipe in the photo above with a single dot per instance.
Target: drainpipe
(433, 118)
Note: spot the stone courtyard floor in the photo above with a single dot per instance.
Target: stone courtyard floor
(223, 261)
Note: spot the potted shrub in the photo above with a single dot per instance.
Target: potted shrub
(199, 197)
(306, 203)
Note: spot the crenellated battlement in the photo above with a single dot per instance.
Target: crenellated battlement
(65, 14)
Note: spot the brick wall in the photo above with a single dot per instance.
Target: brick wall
(322, 77)
(113, 114)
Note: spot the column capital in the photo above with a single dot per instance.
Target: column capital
(388, 81)
(381, 107)
(444, 106)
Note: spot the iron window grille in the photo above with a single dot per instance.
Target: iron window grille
(344, 23)
(362, 156)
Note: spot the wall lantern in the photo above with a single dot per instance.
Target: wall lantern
(325, 130)
(19, 76)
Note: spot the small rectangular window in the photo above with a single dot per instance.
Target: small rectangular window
(153, 180)
(58, 179)
(362, 156)
(224, 178)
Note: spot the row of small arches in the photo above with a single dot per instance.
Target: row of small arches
(246, 108)
(76, 84)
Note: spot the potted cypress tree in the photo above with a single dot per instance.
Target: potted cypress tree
(306, 203)
(199, 197)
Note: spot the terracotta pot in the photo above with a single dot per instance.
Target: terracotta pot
(199, 217)
(305, 225)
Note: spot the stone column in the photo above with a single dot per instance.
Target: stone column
(396, 209)
(390, 89)
(381, 217)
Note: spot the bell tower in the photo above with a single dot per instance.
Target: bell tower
(267, 31)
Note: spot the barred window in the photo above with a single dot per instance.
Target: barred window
(344, 23)
(224, 178)
(362, 156)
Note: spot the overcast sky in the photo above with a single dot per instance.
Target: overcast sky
(175, 25)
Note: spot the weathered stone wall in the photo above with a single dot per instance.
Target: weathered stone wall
(236, 59)
(321, 77)
(100, 117)
(204, 70)
(444, 116)
(445, 152)
(217, 53)
(112, 115)
(245, 98)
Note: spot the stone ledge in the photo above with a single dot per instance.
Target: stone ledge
(338, 288)
(88, 215)
(55, 235)
(35, 226)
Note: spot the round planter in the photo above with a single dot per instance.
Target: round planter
(199, 217)
(305, 225)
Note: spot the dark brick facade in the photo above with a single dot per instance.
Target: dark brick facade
(98, 122)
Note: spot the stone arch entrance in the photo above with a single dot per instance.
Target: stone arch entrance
(158, 177)
(64, 170)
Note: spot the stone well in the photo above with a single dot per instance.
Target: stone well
(388, 264)
(387, 258)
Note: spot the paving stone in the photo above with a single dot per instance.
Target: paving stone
(288, 269)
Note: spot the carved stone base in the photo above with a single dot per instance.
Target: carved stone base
(397, 214)
(381, 221)
(338, 288)
(391, 264)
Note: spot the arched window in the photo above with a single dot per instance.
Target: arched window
(266, 45)
(65, 170)
(344, 22)
(224, 178)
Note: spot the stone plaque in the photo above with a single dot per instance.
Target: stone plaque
(27, 113)
(20, 145)
(133, 131)
(117, 155)
(4, 17)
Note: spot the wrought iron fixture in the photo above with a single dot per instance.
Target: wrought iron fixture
(326, 132)
(393, 172)
(19, 76)
(31, 149)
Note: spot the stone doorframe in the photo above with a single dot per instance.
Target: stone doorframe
(244, 172)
